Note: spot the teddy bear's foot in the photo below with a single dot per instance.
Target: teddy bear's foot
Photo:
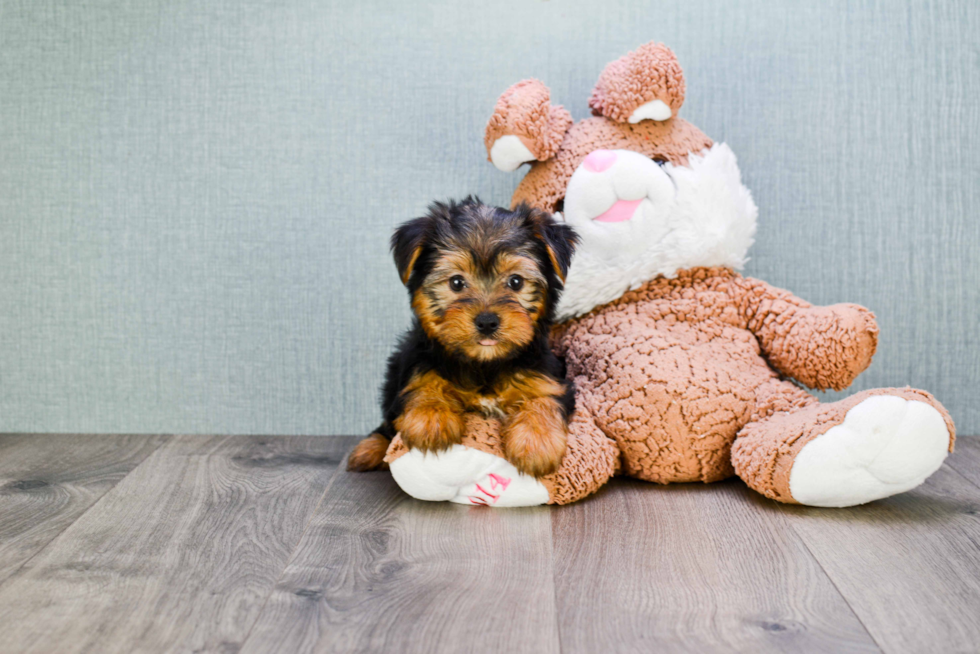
(886, 445)
(871, 445)
(466, 475)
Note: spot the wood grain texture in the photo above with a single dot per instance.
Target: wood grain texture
(380, 571)
(180, 555)
(692, 568)
(48, 480)
(221, 544)
(908, 565)
(966, 459)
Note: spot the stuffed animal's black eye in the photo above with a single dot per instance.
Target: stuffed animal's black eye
(457, 283)
(515, 282)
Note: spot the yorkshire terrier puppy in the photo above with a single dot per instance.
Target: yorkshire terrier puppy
(484, 283)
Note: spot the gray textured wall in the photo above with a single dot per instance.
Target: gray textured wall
(195, 197)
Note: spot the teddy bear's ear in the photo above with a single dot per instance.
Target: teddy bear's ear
(525, 126)
(646, 84)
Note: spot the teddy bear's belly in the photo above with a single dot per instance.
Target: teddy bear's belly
(674, 398)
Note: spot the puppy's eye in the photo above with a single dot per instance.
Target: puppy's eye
(515, 282)
(457, 283)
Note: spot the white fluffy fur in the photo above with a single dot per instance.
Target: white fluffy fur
(695, 215)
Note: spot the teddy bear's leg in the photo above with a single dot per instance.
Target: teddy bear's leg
(871, 445)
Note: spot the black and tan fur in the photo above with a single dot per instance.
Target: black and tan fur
(467, 267)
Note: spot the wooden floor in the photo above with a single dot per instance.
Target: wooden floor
(226, 544)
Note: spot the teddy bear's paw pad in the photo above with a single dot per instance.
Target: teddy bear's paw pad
(886, 445)
(465, 475)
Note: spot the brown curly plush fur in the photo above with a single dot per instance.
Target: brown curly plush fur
(678, 369)
(524, 110)
(650, 72)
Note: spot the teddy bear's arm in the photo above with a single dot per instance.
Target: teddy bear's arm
(822, 347)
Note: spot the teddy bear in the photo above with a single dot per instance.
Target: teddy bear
(684, 369)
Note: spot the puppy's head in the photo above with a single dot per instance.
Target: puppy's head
(483, 280)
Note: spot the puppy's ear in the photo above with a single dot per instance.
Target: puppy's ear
(558, 238)
(410, 238)
(407, 243)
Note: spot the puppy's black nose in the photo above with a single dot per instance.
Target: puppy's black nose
(487, 323)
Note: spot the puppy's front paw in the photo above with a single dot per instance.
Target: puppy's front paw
(535, 437)
(430, 427)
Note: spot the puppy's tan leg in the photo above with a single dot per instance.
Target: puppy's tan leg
(433, 416)
(535, 432)
(535, 436)
(369, 454)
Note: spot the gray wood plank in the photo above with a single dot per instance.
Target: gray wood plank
(48, 480)
(692, 568)
(909, 566)
(180, 555)
(966, 459)
(380, 571)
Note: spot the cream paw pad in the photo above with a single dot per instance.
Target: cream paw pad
(885, 445)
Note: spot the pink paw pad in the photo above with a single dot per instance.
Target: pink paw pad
(485, 497)
(497, 480)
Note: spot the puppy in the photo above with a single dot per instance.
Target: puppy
(483, 283)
